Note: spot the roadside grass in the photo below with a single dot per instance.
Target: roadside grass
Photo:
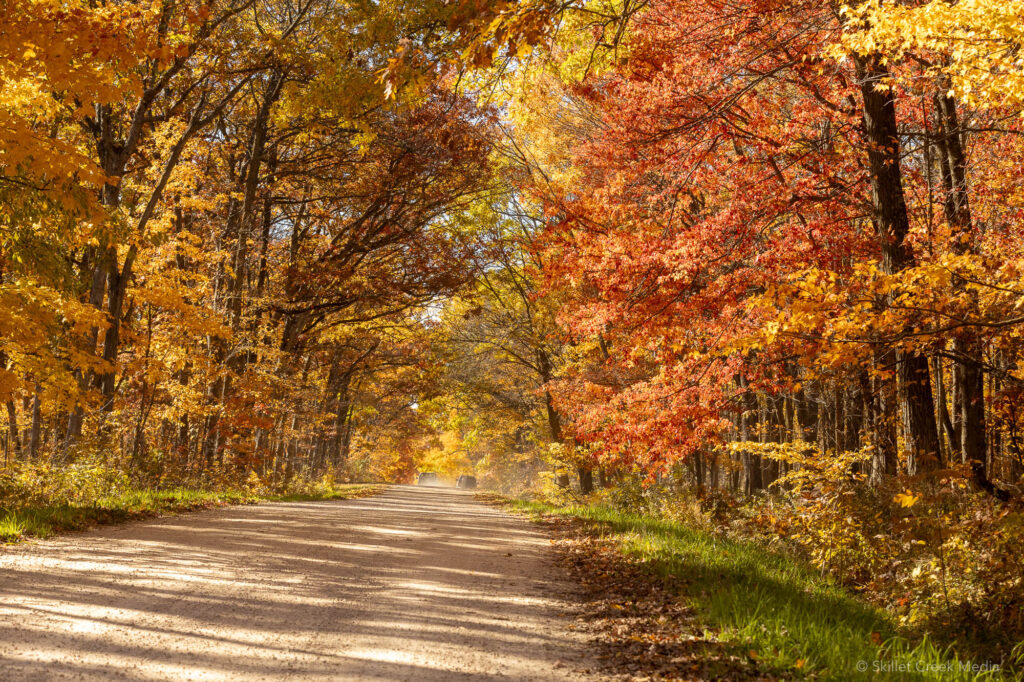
(339, 492)
(43, 521)
(769, 606)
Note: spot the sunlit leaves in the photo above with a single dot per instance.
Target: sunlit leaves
(975, 44)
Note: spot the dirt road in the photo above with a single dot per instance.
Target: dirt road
(415, 584)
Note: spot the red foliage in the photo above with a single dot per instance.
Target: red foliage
(727, 154)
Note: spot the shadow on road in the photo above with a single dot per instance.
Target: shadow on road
(416, 584)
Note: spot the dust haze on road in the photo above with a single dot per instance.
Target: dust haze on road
(414, 584)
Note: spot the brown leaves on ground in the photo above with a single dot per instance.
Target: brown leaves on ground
(642, 627)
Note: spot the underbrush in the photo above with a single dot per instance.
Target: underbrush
(769, 579)
(38, 499)
(940, 559)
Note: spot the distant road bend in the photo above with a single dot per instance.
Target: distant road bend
(415, 584)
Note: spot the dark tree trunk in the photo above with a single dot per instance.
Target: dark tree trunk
(13, 436)
(751, 462)
(698, 472)
(968, 348)
(826, 418)
(586, 477)
(892, 224)
(37, 425)
(805, 417)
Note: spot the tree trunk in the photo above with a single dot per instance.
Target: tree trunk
(968, 348)
(586, 477)
(892, 224)
(751, 462)
(805, 420)
(951, 442)
(37, 423)
(13, 436)
(699, 472)
(117, 287)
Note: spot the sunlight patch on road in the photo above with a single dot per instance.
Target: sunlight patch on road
(385, 656)
(387, 531)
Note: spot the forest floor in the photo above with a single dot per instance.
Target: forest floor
(413, 584)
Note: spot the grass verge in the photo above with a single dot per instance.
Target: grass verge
(789, 621)
(44, 521)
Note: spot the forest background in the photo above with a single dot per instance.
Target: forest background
(752, 264)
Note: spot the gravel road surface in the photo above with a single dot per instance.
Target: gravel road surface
(414, 584)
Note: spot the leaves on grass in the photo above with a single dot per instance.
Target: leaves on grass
(639, 620)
